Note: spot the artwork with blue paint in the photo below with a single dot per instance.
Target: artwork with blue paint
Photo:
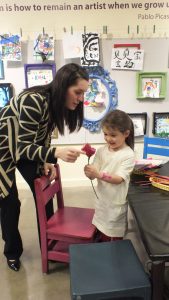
(95, 95)
(1, 69)
(44, 47)
(10, 47)
(101, 96)
(6, 93)
(161, 125)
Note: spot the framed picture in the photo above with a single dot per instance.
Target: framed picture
(161, 124)
(140, 123)
(101, 96)
(1, 69)
(151, 85)
(6, 93)
(39, 74)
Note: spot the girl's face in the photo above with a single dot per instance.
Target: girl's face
(75, 94)
(115, 138)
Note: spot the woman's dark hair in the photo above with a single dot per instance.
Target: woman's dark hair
(66, 77)
(118, 119)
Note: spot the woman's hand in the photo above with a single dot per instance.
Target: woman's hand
(68, 154)
(50, 170)
(91, 172)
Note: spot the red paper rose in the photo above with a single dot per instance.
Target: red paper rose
(88, 149)
(89, 152)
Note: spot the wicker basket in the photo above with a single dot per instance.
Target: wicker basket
(143, 172)
(157, 183)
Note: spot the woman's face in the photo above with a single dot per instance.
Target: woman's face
(75, 94)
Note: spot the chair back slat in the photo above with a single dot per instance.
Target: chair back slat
(50, 191)
(156, 146)
(46, 190)
(44, 182)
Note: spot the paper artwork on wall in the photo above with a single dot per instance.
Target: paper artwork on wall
(6, 92)
(39, 74)
(127, 58)
(138, 127)
(10, 47)
(72, 45)
(2, 69)
(91, 51)
(139, 123)
(96, 94)
(44, 47)
(151, 87)
(161, 124)
(101, 96)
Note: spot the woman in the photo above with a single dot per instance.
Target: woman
(26, 124)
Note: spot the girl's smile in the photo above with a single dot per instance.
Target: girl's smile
(115, 138)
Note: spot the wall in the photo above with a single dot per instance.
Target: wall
(156, 59)
(144, 22)
(132, 18)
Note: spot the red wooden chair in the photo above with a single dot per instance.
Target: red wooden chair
(67, 225)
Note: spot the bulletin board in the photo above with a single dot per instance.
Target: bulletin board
(156, 60)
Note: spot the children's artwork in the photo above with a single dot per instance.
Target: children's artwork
(91, 52)
(138, 127)
(44, 47)
(1, 69)
(10, 47)
(127, 58)
(161, 124)
(72, 45)
(96, 93)
(6, 93)
(101, 97)
(39, 74)
(151, 87)
(139, 122)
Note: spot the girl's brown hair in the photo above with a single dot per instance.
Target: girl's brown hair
(118, 119)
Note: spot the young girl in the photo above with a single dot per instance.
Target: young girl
(112, 166)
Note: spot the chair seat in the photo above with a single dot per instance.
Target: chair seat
(72, 222)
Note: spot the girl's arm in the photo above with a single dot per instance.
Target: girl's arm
(115, 179)
(122, 173)
(92, 173)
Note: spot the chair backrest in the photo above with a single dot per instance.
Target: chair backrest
(156, 146)
(45, 191)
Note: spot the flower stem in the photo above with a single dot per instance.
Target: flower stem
(94, 189)
(92, 181)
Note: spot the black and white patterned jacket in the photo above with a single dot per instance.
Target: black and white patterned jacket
(23, 135)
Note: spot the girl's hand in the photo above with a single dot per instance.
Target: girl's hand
(68, 154)
(91, 172)
(50, 170)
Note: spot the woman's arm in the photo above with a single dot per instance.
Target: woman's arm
(32, 112)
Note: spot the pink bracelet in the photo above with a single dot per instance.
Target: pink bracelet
(104, 176)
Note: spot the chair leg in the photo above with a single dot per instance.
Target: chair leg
(44, 266)
(44, 256)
